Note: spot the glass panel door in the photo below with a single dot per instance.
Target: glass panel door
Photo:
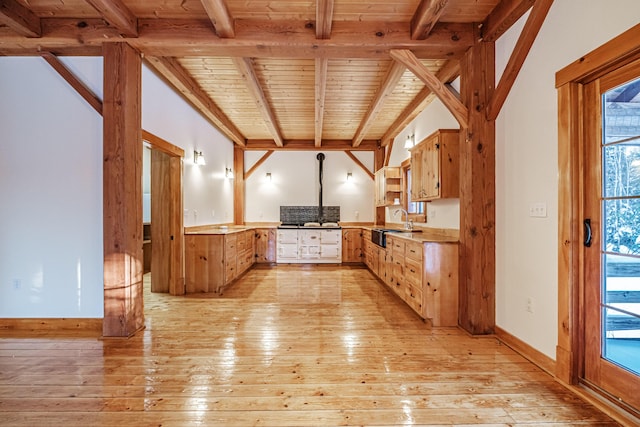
(612, 261)
(621, 227)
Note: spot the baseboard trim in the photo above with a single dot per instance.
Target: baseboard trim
(538, 358)
(51, 324)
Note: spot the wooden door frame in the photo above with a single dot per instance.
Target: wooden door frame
(570, 82)
(176, 154)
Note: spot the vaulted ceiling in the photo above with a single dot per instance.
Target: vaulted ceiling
(277, 73)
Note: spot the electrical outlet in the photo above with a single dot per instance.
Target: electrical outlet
(17, 284)
(529, 305)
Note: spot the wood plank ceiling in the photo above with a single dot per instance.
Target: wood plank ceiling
(275, 74)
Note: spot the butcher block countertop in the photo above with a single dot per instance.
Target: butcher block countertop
(425, 234)
(439, 235)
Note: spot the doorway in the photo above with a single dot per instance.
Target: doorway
(612, 233)
(599, 221)
(167, 242)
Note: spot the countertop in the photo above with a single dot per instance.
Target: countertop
(425, 235)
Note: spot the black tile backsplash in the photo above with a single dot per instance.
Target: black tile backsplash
(302, 214)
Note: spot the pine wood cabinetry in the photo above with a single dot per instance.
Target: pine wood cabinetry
(265, 245)
(213, 261)
(435, 167)
(352, 248)
(422, 274)
(388, 186)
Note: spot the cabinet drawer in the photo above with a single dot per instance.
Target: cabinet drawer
(241, 242)
(413, 271)
(413, 250)
(397, 247)
(413, 297)
(230, 243)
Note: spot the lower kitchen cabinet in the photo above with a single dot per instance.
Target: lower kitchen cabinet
(423, 274)
(352, 250)
(265, 245)
(213, 261)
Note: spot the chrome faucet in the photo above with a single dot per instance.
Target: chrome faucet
(408, 224)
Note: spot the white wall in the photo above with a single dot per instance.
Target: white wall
(51, 183)
(208, 195)
(51, 192)
(440, 213)
(294, 181)
(526, 163)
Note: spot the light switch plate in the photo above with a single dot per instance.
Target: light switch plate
(538, 210)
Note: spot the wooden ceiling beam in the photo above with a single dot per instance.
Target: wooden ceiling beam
(503, 16)
(448, 73)
(394, 74)
(257, 164)
(308, 145)
(516, 60)
(117, 14)
(426, 17)
(324, 18)
(359, 163)
(220, 17)
(245, 66)
(19, 18)
(321, 67)
(453, 104)
(83, 90)
(254, 39)
(177, 77)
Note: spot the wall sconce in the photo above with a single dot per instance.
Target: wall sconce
(349, 177)
(228, 173)
(198, 158)
(268, 176)
(410, 142)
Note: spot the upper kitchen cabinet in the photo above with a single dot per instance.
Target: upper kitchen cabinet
(435, 167)
(388, 185)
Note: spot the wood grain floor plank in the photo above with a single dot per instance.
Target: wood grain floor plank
(283, 346)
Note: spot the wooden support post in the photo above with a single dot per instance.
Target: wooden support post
(477, 193)
(378, 162)
(122, 191)
(238, 185)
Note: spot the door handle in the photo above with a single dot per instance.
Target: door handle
(587, 232)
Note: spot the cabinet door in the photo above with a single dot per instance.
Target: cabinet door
(265, 245)
(352, 245)
(417, 172)
(431, 169)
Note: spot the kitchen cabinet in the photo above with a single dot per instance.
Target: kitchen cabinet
(265, 245)
(388, 185)
(213, 261)
(423, 274)
(352, 247)
(435, 167)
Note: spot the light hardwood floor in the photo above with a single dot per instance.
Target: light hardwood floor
(284, 346)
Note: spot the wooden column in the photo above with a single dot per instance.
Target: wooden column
(122, 191)
(238, 185)
(378, 162)
(477, 194)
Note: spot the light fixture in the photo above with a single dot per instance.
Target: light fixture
(410, 141)
(268, 176)
(349, 177)
(198, 158)
(228, 173)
